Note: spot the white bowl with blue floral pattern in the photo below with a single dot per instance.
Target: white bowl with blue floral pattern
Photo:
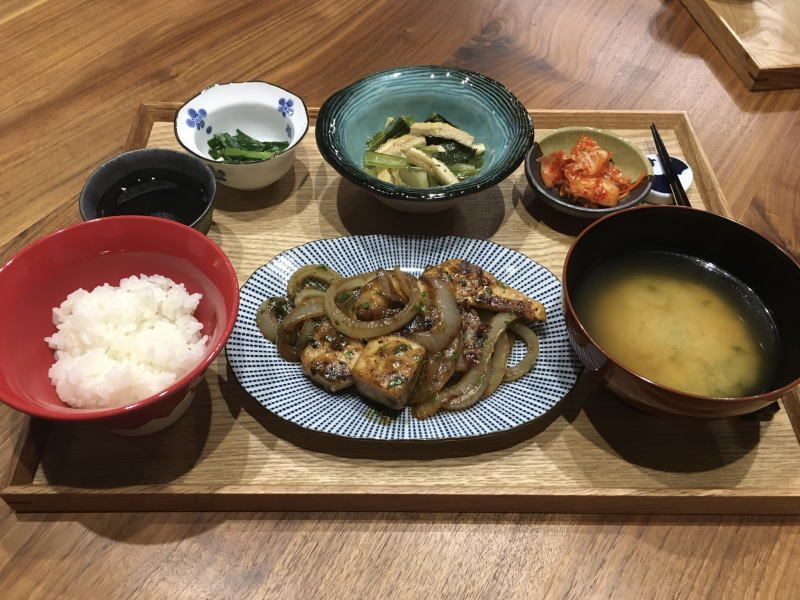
(259, 109)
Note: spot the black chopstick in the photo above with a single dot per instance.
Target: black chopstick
(678, 193)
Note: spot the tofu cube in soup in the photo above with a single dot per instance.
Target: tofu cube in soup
(387, 370)
(329, 357)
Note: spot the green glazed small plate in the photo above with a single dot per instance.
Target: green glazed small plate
(627, 157)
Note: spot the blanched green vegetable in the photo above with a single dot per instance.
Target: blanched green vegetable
(437, 118)
(241, 148)
(395, 127)
(464, 170)
(419, 155)
(414, 177)
(453, 151)
(384, 161)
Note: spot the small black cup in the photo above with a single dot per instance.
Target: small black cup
(152, 181)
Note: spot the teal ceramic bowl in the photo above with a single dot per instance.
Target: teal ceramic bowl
(471, 101)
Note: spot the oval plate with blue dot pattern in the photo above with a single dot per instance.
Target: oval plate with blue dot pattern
(282, 389)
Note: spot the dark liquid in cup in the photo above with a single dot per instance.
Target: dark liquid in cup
(157, 193)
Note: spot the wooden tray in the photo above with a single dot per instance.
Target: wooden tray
(760, 39)
(596, 455)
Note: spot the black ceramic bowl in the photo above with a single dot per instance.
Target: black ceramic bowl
(471, 101)
(155, 182)
(768, 271)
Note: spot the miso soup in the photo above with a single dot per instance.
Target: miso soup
(680, 322)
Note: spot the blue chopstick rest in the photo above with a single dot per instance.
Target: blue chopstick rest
(659, 193)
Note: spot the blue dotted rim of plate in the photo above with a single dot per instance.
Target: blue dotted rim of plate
(282, 388)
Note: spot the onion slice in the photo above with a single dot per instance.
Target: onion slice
(306, 332)
(437, 370)
(287, 330)
(445, 330)
(469, 389)
(356, 328)
(426, 409)
(267, 318)
(300, 278)
(497, 368)
(308, 293)
(526, 364)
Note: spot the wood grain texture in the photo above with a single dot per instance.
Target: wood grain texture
(229, 452)
(74, 77)
(759, 38)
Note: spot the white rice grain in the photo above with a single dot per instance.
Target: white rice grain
(117, 345)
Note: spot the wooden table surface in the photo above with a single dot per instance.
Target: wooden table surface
(759, 38)
(72, 77)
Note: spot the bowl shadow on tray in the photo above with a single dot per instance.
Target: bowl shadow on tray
(232, 200)
(228, 239)
(525, 197)
(109, 460)
(476, 216)
(666, 445)
(336, 446)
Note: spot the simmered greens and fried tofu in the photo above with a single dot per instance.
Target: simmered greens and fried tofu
(437, 342)
(426, 154)
(445, 131)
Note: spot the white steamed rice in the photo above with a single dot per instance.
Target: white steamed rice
(118, 345)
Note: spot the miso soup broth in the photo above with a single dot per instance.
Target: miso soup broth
(679, 322)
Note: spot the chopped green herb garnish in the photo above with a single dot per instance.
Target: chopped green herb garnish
(396, 381)
(345, 298)
(349, 354)
(400, 348)
(279, 306)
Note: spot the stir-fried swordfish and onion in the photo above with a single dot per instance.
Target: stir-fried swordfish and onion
(419, 155)
(440, 342)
